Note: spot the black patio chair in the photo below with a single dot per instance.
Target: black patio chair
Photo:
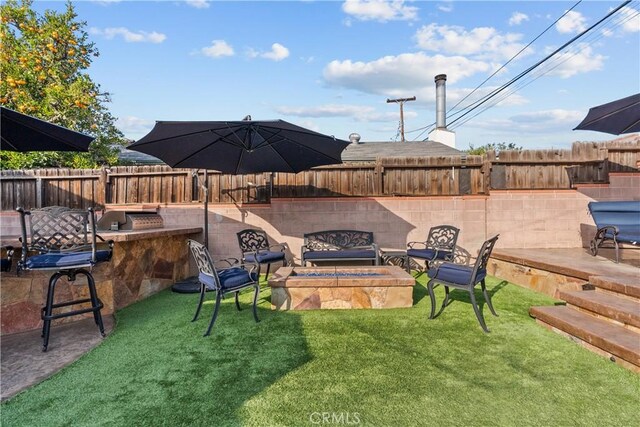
(255, 248)
(463, 277)
(62, 240)
(222, 281)
(7, 258)
(439, 246)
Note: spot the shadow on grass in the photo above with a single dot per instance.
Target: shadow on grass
(157, 366)
(463, 296)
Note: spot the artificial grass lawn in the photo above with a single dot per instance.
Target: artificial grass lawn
(378, 367)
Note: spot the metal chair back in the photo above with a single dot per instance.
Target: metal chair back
(443, 237)
(57, 229)
(251, 240)
(203, 261)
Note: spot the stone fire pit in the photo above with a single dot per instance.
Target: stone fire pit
(306, 288)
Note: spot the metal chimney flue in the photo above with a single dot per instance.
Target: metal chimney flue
(441, 101)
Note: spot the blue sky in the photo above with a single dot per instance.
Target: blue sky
(331, 65)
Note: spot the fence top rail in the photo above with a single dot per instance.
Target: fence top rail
(45, 178)
(546, 162)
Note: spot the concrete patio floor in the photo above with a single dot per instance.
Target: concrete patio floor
(24, 364)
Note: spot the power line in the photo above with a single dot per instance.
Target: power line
(537, 64)
(561, 59)
(401, 101)
(511, 59)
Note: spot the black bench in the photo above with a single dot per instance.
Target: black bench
(339, 245)
(618, 222)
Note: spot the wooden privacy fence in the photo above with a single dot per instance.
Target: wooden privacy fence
(425, 176)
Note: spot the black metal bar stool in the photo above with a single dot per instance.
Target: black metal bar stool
(62, 240)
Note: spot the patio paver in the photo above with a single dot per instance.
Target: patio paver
(24, 364)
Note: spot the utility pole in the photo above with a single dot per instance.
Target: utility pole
(401, 101)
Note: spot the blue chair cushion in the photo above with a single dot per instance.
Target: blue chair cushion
(231, 278)
(626, 233)
(344, 253)
(455, 273)
(428, 253)
(64, 260)
(265, 257)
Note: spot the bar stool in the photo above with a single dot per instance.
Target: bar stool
(62, 240)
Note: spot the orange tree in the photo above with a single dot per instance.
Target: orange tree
(43, 63)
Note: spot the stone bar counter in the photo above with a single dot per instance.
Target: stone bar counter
(144, 262)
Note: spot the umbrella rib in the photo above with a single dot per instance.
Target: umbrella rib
(630, 126)
(612, 113)
(297, 143)
(306, 147)
(5, 141)
(222, 138)
(64, 142)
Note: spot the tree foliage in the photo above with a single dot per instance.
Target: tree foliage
(497, 147)
(43, 63)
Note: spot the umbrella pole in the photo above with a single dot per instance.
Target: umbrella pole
(271, 186)
(205, 190)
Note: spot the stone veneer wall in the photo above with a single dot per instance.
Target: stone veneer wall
(138, 269)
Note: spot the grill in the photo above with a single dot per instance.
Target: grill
(129, 221)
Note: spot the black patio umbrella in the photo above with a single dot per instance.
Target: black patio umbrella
(617, 117)
(238, 147)
(23, 133)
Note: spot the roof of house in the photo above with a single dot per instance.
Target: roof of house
(137, 158)
(362, 152)
(369, 151)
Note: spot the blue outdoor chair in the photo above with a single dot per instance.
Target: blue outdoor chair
(62, 240)
(255, 248)
(222, 281)
(463, 277)
(439, 246)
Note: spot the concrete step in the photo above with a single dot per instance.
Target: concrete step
(598, 334)
(628, 285)
(622, 310)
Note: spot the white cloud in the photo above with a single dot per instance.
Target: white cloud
(308, 124)
(581, 59)
(572, 22)
(606, 32)
(401, 75)
(198, 4)
(105, 2)
(631, 19)
(533, 122)
(483, 42)
(131, 125)
(128, 35)
(446, 7)
(359, 113)
(380, 10)
(218, 48)
(518, 18)
(277, 53)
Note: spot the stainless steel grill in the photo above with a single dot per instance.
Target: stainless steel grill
(129, 221)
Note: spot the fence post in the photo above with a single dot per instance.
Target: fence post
(486, 172)
(39, 195)
(101, 189)
(378, 179)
